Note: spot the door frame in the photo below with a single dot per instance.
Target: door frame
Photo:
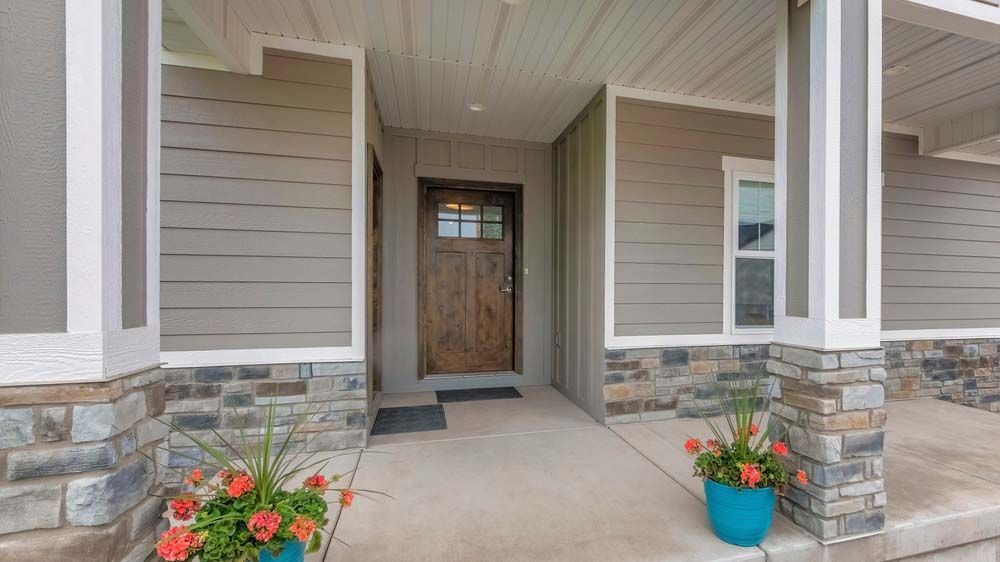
(375, 264)
(423, 185)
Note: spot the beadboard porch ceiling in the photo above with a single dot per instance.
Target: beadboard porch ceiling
(535, 63)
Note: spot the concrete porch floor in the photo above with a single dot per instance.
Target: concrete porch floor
(535, 479)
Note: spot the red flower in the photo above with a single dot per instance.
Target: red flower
(264, 524)
(239, 485)
(693, 446)
(750, 475)
(302, 528)
(316, 482)
(346, 498)
(185, 508)
(753, 429)
(196, 478)
(225, 477)
(801, 476)
(780, 448)
(178, 544)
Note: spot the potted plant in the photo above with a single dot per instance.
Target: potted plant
(742, 474)
(247, 512)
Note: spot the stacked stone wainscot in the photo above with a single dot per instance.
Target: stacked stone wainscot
(829, 406)
(76, 475)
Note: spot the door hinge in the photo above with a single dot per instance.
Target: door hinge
(558, 340)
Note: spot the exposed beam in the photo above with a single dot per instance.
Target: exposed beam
(218, 26)
(971, 18)
(961, 132)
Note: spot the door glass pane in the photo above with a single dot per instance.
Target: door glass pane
(754, 292)
(470, 230)
(470, 212)
(756, 215)
(448, 229)
(492, 214)
(448, 211)
(493, 231)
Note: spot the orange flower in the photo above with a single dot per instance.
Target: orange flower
(801, 477)
(302, 528)
(316, 482)
(177, 544)
(753, 429)
(693, 446)
(239, 485)
(264, 524)
(346, 498)
(750, 475)
(184, 508)
(780, 448)
(196, 478)
(714, 446)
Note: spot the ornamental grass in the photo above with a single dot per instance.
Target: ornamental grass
(739, 456)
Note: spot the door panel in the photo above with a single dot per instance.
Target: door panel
(468, 313)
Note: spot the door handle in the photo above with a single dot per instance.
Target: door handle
(510, 286)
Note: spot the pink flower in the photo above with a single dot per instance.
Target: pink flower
(346, 498)
(264, 524)
(177, 544)
(239, 485)
(196, 478)
(185, 508)
(317, 483)
(693, 446)
(780, 448)
(302, 528)
(753, 429)
(750, 475)
(801, 477)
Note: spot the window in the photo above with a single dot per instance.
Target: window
(464, 220)
(749, 266)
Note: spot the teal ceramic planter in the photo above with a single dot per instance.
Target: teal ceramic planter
(740, 517)
(292, 551)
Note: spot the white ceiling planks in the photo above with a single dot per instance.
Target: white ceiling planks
(536, 64)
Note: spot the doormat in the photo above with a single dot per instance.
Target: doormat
(471, 394)
(408, 419)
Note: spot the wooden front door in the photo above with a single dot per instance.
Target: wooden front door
(468, 281)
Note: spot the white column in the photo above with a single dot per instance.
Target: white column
(823, 185)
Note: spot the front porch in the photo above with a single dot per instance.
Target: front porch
(568, 488)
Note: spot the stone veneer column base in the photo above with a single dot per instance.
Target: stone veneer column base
(75, 471)
(829, 406)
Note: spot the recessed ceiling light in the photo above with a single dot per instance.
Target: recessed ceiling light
(896, 70)
(477, 106)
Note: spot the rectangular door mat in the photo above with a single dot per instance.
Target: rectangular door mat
(498, 393)
(408, 419)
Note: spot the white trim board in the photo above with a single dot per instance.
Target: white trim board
(260, 356)
(617, 91)
(941, 334)
(692, 340)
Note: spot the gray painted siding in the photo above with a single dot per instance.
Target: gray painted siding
(579, 175)
(32, 167)
(134, 114)
(797, 163)
(669, 213)
(940, 240)
(255, 207)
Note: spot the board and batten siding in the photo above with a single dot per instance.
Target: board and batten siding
(579, 155)
(940, 241)
(669, 204)
(256, 206)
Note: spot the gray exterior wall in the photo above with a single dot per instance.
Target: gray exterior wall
(135, 57)
(669, 213)
(255, 207)
(940, 241)
(32, 167)
(409, 155)
(580, 188)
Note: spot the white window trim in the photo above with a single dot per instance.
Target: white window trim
(736, 168)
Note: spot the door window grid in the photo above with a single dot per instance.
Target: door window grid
(465, 220)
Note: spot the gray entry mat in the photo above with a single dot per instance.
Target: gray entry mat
(408, 419)
(498, 393)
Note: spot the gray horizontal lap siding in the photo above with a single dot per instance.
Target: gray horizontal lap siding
(669, 213)
(256, 207)
(940, 241)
